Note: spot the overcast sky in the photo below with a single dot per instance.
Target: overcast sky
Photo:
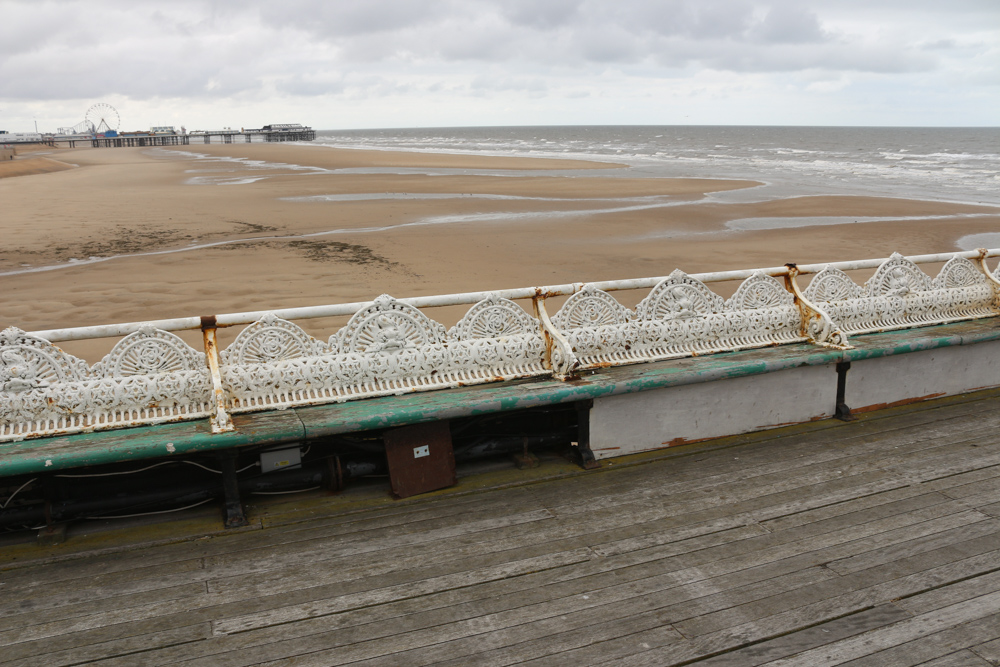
(337, 64)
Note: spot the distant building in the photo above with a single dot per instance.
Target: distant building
(163, 129)
(19, 137)
(284, 127)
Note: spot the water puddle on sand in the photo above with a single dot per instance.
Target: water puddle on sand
(757, 224)
(376, 196)
(231, 165)
(427, 221)
(976, 241)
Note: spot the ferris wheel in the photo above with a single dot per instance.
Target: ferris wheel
(102, 117)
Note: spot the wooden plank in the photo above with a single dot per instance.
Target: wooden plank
(781, 472)
(494, 549)
(747, 557)
(536, 630)
(602, 632)
(132, 650)
(808, 638)
(952, 593)
(897, 500)
(89, 602)
(218, 600)
(316, 609)
(762, 629)
(850, 593)
(936, 575)
(44, 623)
(933, 646)
(923, 625)
(963, 658)
(989, 651)
(985, 497)
(555, 612)
(434, 609)
(971, 524)
(140, 620)
(30, 593)
(118, 584)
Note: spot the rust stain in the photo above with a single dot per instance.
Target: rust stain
(894, 404)
(685, 441)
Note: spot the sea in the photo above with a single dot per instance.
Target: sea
(950, 164)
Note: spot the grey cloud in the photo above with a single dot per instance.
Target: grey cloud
(939, 44)
(543, 15)
(789, 25)
(65, 50)
(492, 83)
(355, 18)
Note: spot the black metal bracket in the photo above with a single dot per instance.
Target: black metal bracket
(843, 412)
(587, 459)
(233, 514)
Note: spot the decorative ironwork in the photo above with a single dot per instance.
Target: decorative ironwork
(493, 317)
(682, 317)
(832, 284)
(387, 348)
(149, 377)
(390, 347)
(679, 297)
(590, 307)
(271, 339)
(900, 295)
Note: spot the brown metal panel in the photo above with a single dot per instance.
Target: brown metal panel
(420, 458)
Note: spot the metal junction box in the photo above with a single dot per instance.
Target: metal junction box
(420, 458)
(281, 459)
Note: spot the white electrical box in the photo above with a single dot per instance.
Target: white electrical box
(281, 459)
(419, 452)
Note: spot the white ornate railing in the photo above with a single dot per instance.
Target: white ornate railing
(390, 347)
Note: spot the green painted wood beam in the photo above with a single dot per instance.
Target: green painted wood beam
(102, 447)
(283, 426)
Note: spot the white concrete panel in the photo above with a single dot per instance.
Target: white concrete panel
(877, 383)
(630, 423)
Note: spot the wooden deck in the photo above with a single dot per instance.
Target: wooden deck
(875, 542)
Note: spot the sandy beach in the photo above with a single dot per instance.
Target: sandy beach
(113, 235)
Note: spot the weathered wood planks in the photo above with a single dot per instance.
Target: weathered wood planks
(875, 542)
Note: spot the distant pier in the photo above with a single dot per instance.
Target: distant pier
(131, 140)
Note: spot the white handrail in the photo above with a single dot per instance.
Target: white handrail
(346, 309)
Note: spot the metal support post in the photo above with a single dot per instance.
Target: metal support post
(233, 515)
(221, 421)
(843, 412)
(558, 352)
(587, 459)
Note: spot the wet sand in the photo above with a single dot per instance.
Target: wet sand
(437, 226)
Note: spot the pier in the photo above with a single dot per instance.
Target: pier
(875, 541)
(796, 475)
(221, 136)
